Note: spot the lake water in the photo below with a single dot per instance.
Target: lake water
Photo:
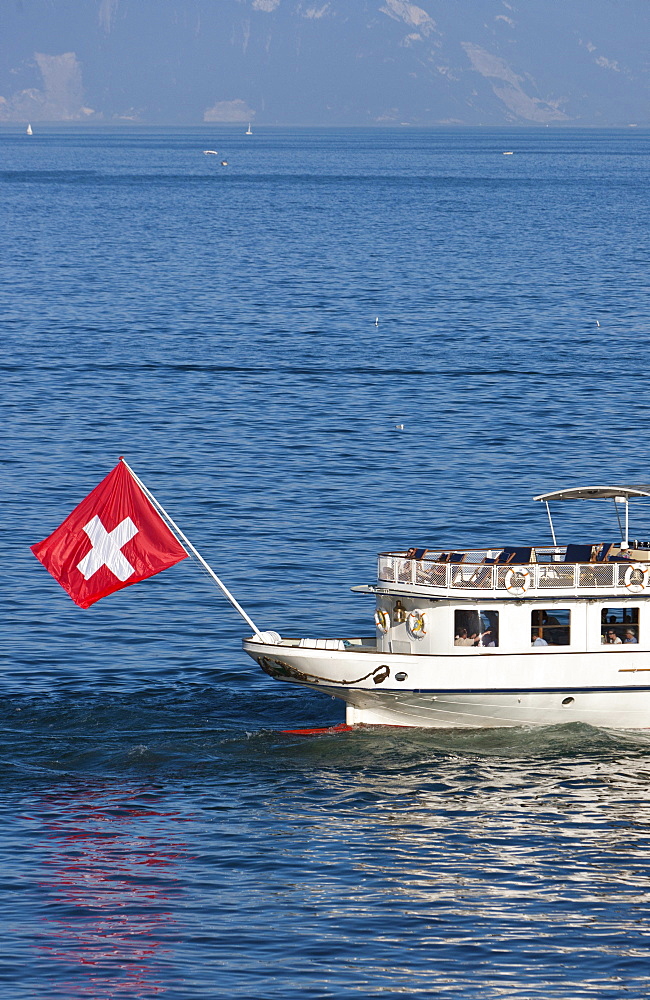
(248, 336)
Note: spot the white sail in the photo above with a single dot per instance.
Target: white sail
(29, 130)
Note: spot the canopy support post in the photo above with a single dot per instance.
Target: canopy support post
(550, 521)
(623, 530)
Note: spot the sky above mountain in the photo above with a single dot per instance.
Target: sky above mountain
(348, 62)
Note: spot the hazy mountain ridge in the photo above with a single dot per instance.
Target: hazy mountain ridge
(327, 61)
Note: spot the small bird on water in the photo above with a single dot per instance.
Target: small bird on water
(399, 427)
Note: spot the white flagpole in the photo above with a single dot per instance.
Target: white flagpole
(186, 542)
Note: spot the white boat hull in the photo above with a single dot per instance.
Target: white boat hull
(488, 689)
(487, 709)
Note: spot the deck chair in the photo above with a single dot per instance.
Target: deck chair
(457, 574)
(416, 553)
(522, 555)
(482, 572)
(606, 553)
(579, 553)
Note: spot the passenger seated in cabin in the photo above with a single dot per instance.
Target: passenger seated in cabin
(630, 636)
(463, 639)
(487, 638)
(612, 638)
(538, 640)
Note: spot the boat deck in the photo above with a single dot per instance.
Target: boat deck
(366, 644)
(601, 569)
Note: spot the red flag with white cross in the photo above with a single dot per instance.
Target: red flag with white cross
(114, 538)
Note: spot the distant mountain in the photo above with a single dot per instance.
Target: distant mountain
(323, 62)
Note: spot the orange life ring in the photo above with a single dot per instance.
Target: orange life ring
(382, 620)
(517, 581)
(632, 581)
(416, 624)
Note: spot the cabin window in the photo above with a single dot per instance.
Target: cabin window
(619, 625)
(550, 627)
(476, 628)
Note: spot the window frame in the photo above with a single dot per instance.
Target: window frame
(550, 630)
(483, 621)
(625, 618)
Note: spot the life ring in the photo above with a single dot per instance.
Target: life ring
(517, 581)
(416, 624)
(382, 620)
(636, 577)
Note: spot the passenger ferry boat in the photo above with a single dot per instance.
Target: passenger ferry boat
(504, 636)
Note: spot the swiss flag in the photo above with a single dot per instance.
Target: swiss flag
(112, 539)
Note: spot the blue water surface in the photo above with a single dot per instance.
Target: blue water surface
(248, 336)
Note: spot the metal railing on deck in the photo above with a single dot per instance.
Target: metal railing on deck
(513, 578)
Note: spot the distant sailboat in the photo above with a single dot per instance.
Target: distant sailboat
(250, 131)
(29, 130)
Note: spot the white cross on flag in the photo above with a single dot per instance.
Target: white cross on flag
(114, 538)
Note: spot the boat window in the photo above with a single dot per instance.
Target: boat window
(550, 627)
(619, 625)
(476, 628)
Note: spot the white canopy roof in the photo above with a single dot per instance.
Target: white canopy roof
(596, 493)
